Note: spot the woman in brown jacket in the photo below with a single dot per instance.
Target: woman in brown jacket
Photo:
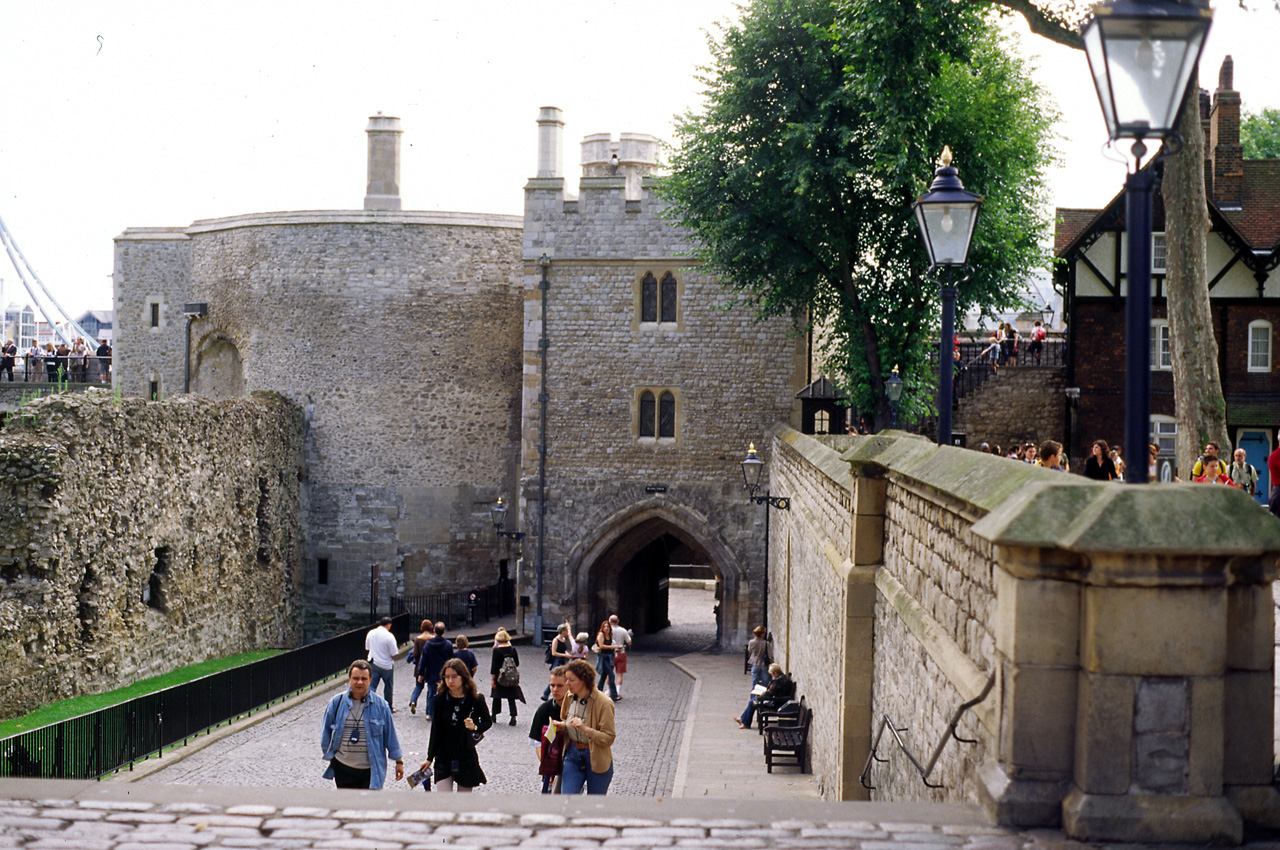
(588, 716)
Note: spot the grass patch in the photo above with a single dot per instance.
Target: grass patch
(76, 706)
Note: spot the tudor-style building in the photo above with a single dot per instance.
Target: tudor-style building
(1243, 251)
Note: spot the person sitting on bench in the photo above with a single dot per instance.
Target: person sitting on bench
(780, 690)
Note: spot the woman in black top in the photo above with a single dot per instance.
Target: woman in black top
(460, 715)
(499, 691)
(1099, 466)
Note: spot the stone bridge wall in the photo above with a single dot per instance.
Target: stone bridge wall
(136, 537)
(1119, 661)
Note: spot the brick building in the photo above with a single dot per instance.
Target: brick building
(1243, 250)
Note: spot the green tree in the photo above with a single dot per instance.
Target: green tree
(1260, 134)
(821, 125)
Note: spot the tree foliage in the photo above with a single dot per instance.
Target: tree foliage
(821, 124)
(1260, 134)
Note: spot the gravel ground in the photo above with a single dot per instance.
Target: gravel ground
(284, 751)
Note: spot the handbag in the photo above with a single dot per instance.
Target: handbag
(551, 762)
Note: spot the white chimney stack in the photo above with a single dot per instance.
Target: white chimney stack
(384, 163)
(550, 141)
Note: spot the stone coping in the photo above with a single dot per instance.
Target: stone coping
(487, 809)
(820, 452)
(277, 219)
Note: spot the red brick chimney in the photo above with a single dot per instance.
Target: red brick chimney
(1224, 141)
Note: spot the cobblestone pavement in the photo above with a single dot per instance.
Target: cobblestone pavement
(284, 750)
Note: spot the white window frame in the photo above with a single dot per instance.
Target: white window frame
(1161, 346)
(1159, 253)
(1263, 362)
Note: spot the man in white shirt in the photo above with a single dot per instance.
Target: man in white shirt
(382, 648)
(622, 639)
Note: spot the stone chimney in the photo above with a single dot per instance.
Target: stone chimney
(550, 142)
(1224, 141)
(384, 163)
(633, 157)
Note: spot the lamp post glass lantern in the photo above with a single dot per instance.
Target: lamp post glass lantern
(947, 216)
(1141, 56)
(498, 513)
(893, 389)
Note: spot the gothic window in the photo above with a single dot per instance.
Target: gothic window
(649, 298)
(667, 414)
(646, 414)
(668, 298)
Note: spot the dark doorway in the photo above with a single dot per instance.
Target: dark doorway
(632, 577)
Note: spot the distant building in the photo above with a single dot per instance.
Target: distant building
(97, 323)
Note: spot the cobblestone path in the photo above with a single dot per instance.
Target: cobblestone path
(284, 751)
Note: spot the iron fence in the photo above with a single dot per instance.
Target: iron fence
(105, 740)
(456, 608)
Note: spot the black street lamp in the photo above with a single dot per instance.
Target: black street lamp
(947, 215)
(752, 467)
(1141, 55)
(893, 389)
(498, 513)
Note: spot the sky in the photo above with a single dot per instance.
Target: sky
(129, 114)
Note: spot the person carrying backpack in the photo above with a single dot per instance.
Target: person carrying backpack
(504, 673)
(1243, 474)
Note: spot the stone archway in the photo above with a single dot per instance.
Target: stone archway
(622, 567)
(217, 370)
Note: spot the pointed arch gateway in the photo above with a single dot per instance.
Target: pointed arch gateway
(623, 566)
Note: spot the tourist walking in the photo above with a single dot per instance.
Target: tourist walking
(435, 653)
(358, 734)
(504, 671)
(1273, 467)
(1036, 348)
(588, 714)
(1243, 474)
(35, 362)
(621, 639)
(559, 651)
(547, 735)
(1099, 466)
(1050, 455)
(760, 654)
(461, 720)
(605, 647)
(465, 655)
(382, 647)
(414, 657)
(8, 357)
(51, 365)
(580, 647)
(104, 362)
(1209, 468)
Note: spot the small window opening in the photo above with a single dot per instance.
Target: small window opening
(646, 414)
(322, 570)
(153, 391)
(154, 595)
(155, 315)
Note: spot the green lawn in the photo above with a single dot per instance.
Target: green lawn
(84, 704)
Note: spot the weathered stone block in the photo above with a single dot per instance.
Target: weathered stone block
(1248, 727)
(1154, 631)
(1038, 721)
(1104, 733)
(868, 540)
(1140, 818)
(1250, 627)
(1037, 621)
(868, 496)
(1204, 770)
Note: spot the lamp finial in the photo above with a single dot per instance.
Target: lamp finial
(945, 159)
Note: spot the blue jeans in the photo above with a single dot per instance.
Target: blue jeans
(386, 675)
(417, 692)
(745, 719)
(760, 675)
(577, 772)
(604, 666)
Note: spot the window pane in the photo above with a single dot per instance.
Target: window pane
(1260, 347)
(667, 416)
(646, 414)
(1166, 352)
(649, 299)
(668, 298)
(821, 422)
(1158, 252)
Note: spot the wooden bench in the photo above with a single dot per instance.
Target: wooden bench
(786, 739)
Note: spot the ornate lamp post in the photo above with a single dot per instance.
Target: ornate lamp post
(752, 467)
(1141, 55)
(893, 389)
(498, 513)
(947, 215)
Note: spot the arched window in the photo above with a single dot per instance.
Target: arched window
(649, 298)
(1260, 346)
(646, 414)
(667, 415)
(668, 298)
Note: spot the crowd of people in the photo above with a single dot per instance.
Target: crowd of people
(59, 362)
(572, 729)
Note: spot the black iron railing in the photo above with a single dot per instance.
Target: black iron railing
(457, 608)
(102, 741)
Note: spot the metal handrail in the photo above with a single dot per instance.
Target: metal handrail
(925, 770)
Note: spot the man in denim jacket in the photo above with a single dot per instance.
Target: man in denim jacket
(358, 735)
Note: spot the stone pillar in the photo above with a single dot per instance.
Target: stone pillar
(383, 192)
(866, 555)
(550, 142)
(1166, 732)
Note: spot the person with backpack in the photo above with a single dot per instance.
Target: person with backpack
(1243, 474)
(504, 671)
(429, 663)
(1036, 348)
(1209, 468)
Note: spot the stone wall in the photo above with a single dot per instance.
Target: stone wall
(398, 333)
(730, 376)
(1021, 404)
(136, 537)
